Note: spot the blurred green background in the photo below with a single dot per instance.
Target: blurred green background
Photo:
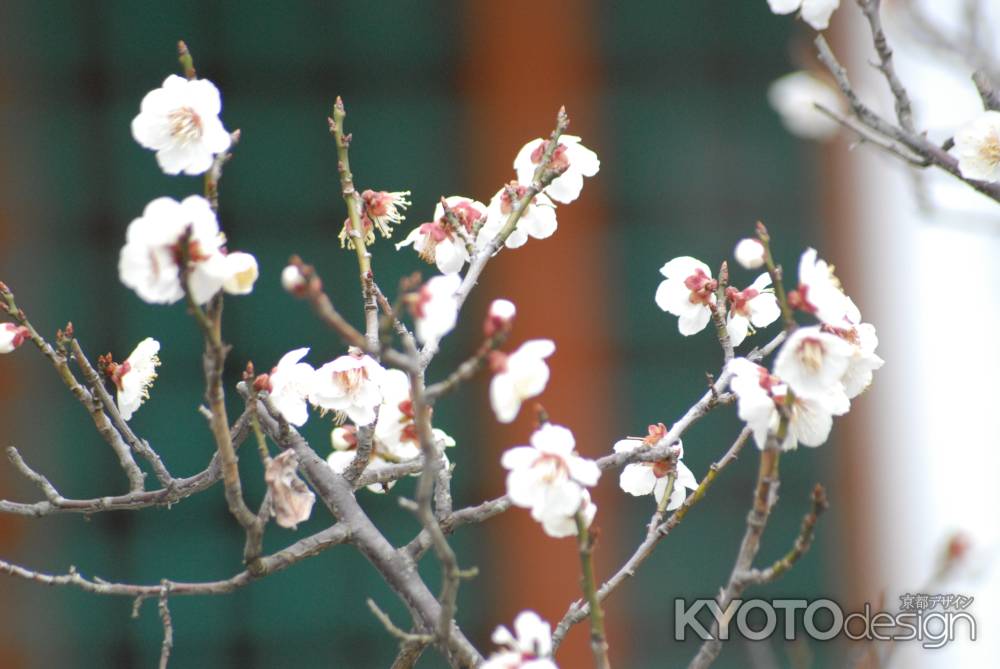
(691, 157)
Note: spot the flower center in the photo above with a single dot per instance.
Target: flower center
(701, 286)
(811, 354)
(185, 124)
(989, 150)
(351, 379)
(551, 468)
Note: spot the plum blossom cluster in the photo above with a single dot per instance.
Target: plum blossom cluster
(818, 370)
(549, 478)
(690, 293)
(176, 248)
(357, 388)
(462, 226)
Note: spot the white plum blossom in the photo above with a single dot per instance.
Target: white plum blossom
(290, 383)
(529, 647)
(547, 476)
(795, 96)
(133, 377)
(819, 292)
(442, 243)
(688, 292)
(816, 13)
(180, 121)
(560, 527)
(149, 262)
(749, 253)
(977, 145)
(241, 273)
(349, 384)
(643, 478)
(538, 219)
(519, 376)
(574, 159)
(291, 499)
(813, 362)
(753, 387)
(763, 396)
(435, 307)
(12, 336)
(755, 306)
(395, 429)
(863, 361)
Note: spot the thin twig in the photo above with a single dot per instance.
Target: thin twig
(598, 635)
(168, 627)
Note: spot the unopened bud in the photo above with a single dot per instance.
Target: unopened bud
(750, 253)
(293, 281)
(262, 383)
(499, 318)
(344, 438)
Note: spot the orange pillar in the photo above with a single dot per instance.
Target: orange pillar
(523, 60)
(11, 526)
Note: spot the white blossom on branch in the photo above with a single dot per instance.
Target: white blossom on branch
(134, 377)
(289, 384)
(688, 292)
(756, 306)
(548, 477)
(349, 384)
(441, 241)
(435, 307)
(643, 478)
(537, 221)
(977, 145)
(820, 293)
(519, 376)
(572, 158)
(241, 273)
(813, 362)
(180, 121)
(150, 262)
